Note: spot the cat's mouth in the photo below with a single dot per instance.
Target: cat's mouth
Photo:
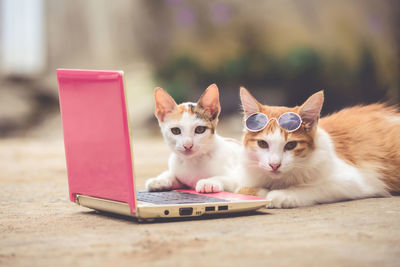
(274, 173)
(188, 152)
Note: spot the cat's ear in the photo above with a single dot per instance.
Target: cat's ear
(311, 109)
(209, 101)
(165, 104)
(249, 103)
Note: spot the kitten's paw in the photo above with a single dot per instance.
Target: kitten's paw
(281, 199)
(157, 184)
(252, 191)
(209, 186)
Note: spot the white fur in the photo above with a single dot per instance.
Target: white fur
(394, 119)
(320, 178)
(205, 167)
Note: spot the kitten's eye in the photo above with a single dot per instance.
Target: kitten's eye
(176, 130)
(262, 144)
(290, 145)
(200, 129)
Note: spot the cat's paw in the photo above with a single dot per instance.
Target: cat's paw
(252, 191)
(157, 184)
(209, 186)
(282, 199)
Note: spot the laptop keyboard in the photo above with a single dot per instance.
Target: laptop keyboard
(175, 197)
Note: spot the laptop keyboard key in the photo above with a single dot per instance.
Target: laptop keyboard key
(175, 197)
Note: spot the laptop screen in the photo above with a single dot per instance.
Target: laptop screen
(96, 135)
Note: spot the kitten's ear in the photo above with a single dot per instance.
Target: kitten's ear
(311, 109)
(164, 103)
(209, 101)
(249, 103)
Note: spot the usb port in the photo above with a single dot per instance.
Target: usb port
(223, 207)
(185, 211)
(210, 208)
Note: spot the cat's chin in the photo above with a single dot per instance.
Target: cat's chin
(275, 174)
(187, 154)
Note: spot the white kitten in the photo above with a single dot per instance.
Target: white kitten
(200, 158)
(349, 155)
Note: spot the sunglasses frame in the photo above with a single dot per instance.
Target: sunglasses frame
(270, 119)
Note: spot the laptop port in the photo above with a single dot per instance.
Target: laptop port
(210, 208)
(223, 207)
(185, 211)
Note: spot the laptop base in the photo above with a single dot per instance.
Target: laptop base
(149, 211)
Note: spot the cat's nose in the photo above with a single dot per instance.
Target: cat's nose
(188, 147)
(275, 166)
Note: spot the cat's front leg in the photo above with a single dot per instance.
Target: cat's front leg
(286, 198)
(307, 195)
(217, 184)
(327, 192)
(164, 181)
(210, 185)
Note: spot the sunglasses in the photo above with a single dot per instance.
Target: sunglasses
(289, 121)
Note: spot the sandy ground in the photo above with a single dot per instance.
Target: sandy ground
(40, 227)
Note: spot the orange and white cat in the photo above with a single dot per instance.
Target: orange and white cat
(200, 158)
(352, 154)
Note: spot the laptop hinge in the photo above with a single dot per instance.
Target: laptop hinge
(104, 205)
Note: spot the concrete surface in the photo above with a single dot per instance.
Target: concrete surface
(40, 227)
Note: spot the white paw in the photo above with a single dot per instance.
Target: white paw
(157, 184)
(209, 186)
(282, 199)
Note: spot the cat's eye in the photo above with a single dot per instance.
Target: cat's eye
(200, 129)
(290, 145)
(176, 131)
(262, 144)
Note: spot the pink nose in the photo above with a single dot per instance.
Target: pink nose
(188, 147)
(275, 166)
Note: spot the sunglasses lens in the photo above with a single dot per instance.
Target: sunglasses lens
(290, 121)
(256, 122)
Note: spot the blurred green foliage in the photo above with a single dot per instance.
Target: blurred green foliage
(301, 72)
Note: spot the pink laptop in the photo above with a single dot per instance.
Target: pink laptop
(99, 156)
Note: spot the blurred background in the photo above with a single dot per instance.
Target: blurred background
(282, 51)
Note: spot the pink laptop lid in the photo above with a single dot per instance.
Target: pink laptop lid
(96, 134)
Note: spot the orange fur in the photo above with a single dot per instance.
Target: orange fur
(303, 137)
(207, 108)
(251, 191)
(368, 136)
(364, 136)
(178, 112)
